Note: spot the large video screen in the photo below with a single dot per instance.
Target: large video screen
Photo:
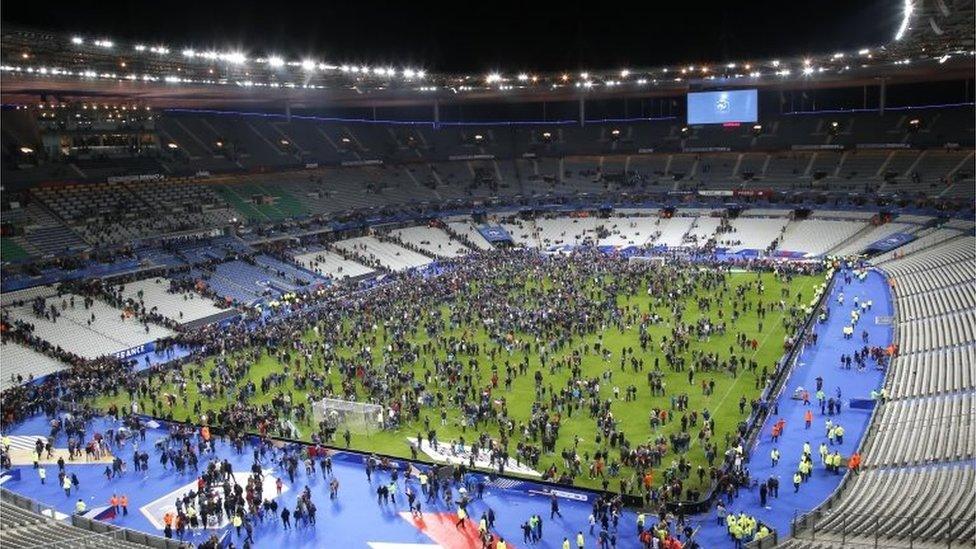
(722, 107)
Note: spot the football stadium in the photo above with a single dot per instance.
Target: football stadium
(260, 290)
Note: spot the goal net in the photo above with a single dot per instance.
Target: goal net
(337, 415)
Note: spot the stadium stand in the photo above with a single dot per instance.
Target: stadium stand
(748, 233)
(22, 364)
(921, 441)
(430, 239)
(466, 229)
(24, 528)
(89, 328)
(916, 503)
(389, 256)
(331, 264)
(629, 230)
(817, 236)
(158, 295)
(672, 231)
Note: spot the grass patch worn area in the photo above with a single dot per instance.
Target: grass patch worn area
(451, 352)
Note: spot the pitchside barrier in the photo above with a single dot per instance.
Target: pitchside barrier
(535, 487)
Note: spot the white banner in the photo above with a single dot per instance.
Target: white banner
(461, 455)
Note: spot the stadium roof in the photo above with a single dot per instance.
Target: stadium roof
(934, 42)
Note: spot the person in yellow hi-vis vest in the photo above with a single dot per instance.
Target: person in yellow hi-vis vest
(565, 543)
(462, 515)
(580, 540)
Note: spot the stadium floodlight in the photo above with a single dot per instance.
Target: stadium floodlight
(276, 61)
(584, 75)
(189, 53)
(493, 77)
(77, 40)
(863, 51)
(838, 55)
(588, 84)
(172, 145)
(27, 150)
(624, 73)
(409, 73)
(807, 70)
(308, 65)
(907, 12)
(238, 58)
(775, 62)
(615, 132)
(140, 47)
(523, 77)
(421, 73)
(755, 74)
(104, 43)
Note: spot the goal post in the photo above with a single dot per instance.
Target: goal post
(338, 415)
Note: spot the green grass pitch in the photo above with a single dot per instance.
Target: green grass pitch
(633, 416)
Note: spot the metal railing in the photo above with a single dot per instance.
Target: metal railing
(874, 530)
(90, 532)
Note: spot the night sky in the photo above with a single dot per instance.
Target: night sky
(482, 36)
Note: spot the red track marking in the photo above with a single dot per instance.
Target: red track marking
(443, 529)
